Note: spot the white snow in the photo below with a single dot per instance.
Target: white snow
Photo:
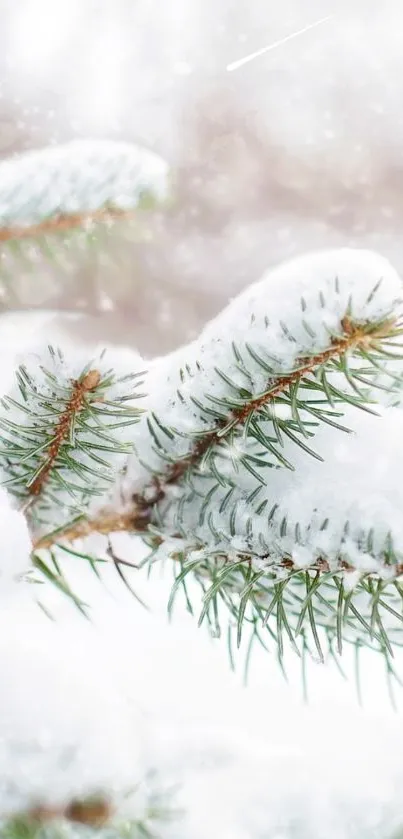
(66, 725)
(15, 546)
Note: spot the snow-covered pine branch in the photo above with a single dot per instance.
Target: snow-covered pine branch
(284, 517)
(70, 185)
(243, 469)
(65, 433)
(58, 201)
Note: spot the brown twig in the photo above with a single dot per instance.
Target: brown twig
(80, 388)
(64, 222)
(135, 520)
(104, 523)
(93, 813)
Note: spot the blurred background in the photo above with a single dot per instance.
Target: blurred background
(300, 148)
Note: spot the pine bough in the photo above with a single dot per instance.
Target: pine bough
(57, 204)
(264, 459)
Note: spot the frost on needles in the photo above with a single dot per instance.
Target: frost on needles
(265, 463)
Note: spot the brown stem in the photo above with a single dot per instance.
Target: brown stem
(104, 524)
(62, 223)
(92, 813)
(355, 335)
(80, 388)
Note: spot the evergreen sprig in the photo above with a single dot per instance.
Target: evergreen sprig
(58, 202)
(76, 184)
(64, 435)
(293, 404)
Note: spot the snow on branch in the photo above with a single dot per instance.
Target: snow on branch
(65, 434)
(290, 352)
(75, 184)
(245, 448)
